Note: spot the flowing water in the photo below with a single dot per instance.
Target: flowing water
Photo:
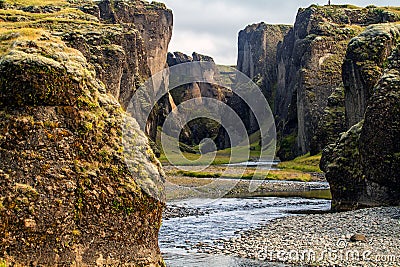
(223, 219)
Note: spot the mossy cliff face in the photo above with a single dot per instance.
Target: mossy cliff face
(363, 166)
(366, 59)
(310, 71)
(153, 23)
(126, 41)
(68, 196)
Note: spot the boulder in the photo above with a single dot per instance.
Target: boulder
(363, 166)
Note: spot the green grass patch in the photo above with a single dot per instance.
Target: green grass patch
(198, 174)
(304, 163)
(318, 194)
(190, 155)
(221, 157)
(286, 175)
(36, 2)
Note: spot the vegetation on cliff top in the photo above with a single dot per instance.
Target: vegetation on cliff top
(35, 2)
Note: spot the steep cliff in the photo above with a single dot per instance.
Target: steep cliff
(310, 71)
(136, 56)
(257, 50)
(68, 195)
(153, 21)
(363, 167)
(198, 129)
(366, 59)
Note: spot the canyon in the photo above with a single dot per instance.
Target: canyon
(81, 183)
(334, 70)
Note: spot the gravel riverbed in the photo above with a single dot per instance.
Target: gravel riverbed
(321, 240)
(188, 187)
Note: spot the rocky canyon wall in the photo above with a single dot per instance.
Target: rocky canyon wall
(68, 194)
(363, 167)
(257, 53)
(310, 75)
(198, 129)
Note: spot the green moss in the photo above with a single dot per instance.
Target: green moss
(26, 189)
(36, 2)
(85, 128)
(1, 205)
(155, 5)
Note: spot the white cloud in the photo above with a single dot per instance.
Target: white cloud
(211, 26)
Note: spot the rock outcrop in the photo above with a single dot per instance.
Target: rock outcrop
(198, 129)
(310, 71)
(365, 61)
(257, 50)
(196, 90)
(73, 191)
(258, 45)
(363, 166)
(132, 52)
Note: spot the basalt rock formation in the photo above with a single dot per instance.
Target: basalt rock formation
(257, 50)
(198, 129)
(258, 45)
(363, 166)
(74, 189)
(366, 58)
(310, 73)
(131, 53)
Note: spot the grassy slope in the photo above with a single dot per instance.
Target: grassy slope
(304, 163)
(36, 2)
(222, 156)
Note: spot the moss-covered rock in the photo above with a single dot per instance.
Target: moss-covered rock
(366, 58)
(332, 123)
(74, 190)
(363, 166)
(126, 41)
(341, 162)
(310, 66)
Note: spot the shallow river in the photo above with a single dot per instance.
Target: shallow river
(224, 219)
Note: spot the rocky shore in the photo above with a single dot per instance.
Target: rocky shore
(366, 237)
(174, 211)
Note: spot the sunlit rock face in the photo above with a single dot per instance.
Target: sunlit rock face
(192, 97)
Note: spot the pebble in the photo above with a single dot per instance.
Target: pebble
(335, 239)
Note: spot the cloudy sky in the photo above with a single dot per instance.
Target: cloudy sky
(211, 27)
